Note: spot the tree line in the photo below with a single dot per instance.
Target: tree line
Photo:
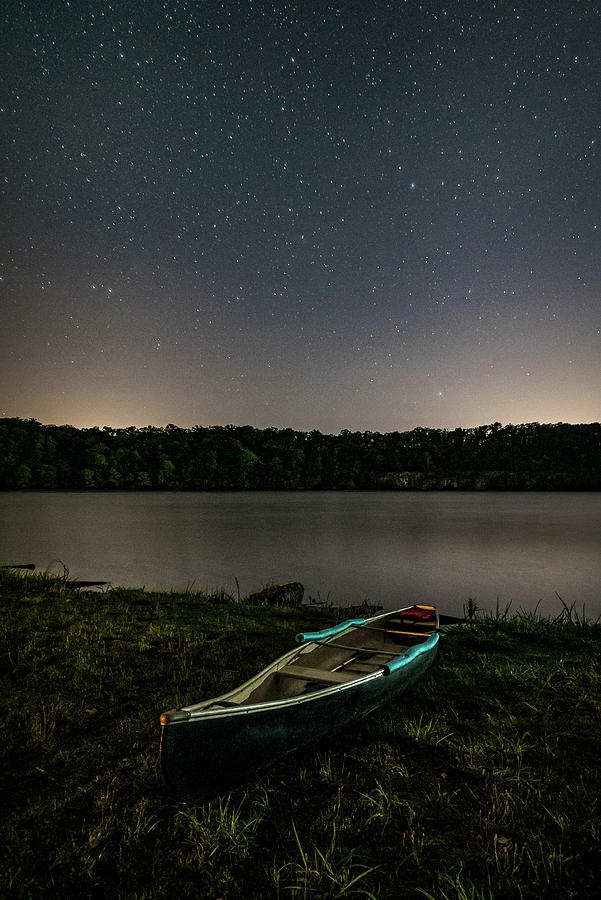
(511, 457)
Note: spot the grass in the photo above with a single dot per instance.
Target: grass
(482, 782)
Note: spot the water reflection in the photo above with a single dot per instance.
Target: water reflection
(390, 547)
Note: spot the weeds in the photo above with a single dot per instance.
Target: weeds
(481, 783)
(329, 873)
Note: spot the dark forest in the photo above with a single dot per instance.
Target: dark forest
(490, 457)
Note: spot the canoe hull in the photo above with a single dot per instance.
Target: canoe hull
(206, 756)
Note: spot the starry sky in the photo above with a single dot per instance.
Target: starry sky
(363, 215)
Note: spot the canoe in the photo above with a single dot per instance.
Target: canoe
(328, 681)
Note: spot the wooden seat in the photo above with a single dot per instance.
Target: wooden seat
(322, 675)
(422, 627)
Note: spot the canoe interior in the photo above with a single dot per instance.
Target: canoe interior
(350, 656)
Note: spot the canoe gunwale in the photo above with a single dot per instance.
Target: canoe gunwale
(177, 716)
(210, 708)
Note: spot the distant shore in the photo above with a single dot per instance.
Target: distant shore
(478, 782)
(223, 458)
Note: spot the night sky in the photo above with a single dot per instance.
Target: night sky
(360, 215)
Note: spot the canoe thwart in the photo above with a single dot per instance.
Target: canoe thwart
(412, 634)
(363, 651)
(321, 675)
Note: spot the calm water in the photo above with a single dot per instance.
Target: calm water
(391, 547)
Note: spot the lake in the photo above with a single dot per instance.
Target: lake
(393, 548)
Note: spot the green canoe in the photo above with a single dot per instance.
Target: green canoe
(333, 678)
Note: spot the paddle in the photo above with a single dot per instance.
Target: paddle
(30, 566)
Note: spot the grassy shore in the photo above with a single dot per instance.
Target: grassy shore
(482, 782)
